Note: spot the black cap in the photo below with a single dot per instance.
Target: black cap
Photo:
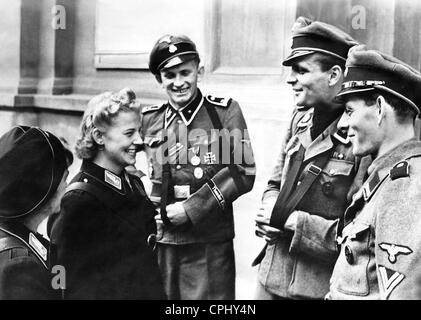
(368, 70)
(32, 164)
(314, 36)
(170, 51)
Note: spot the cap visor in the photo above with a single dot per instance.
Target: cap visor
(340, 96)
(295, 55)
(176, 60)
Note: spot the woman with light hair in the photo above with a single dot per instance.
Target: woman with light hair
(105, 233)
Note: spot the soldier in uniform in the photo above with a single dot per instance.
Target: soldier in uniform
(105, 233)
(200, 161)
(30, 191)
(316, 171)
(380, 256)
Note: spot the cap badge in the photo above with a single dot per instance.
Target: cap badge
(112, 179)
(37, 246)
(362, 83)
(166, 39)
(172, 48)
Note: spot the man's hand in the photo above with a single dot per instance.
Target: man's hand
(263, 229)
(175, 213)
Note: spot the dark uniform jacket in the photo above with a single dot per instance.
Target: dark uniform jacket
(102, 239)
(24, 265)
(380, 255)
(199, 155)
(287, 270)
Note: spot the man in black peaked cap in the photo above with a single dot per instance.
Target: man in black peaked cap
(201, 161)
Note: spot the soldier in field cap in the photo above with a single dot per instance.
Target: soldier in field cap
(377, 239)
(33, 172)
(194, 184)
(316, 172)
(380, 247)
(309, 37)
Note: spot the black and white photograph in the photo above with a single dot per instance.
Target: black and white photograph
(220, 151)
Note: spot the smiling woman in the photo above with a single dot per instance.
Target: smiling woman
(105, 233)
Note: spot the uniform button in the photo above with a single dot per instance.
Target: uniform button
(298, 183)
(179, 121)
(332, 171)
(85, 180)
(341, 156)
(327, 188)
(178, 167)
(178, 144)
(349, 255)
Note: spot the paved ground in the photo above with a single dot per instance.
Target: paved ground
(246, 244)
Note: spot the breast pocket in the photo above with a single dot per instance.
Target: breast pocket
(336, 178)
(156, 156)
(351, 272)
(153, 141)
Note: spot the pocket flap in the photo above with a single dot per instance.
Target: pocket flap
(356, 229)
(337, 167)
(203, 139)
(153, 141)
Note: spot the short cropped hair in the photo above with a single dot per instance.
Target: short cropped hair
(327, 61)
(402, 109)
(100, 113)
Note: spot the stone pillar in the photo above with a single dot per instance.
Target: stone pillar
(19, 55)
(57, 47)
(37, 53)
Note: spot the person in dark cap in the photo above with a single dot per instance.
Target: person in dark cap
(316, 172)
(30, 191)
(380, 247)
(104, 235)
(194, 184)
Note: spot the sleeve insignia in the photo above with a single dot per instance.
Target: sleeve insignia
(216, 192)
(393, 250)
(222, 102)
(389, 279)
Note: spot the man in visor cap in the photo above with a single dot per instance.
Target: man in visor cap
(200, 160)
(315, 173)
(33, 172)
(380, 246)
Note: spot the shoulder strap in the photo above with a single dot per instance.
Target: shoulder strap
(9, 242)
(166, 176)
(20, 236)
(286, 202)
(217, 124)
